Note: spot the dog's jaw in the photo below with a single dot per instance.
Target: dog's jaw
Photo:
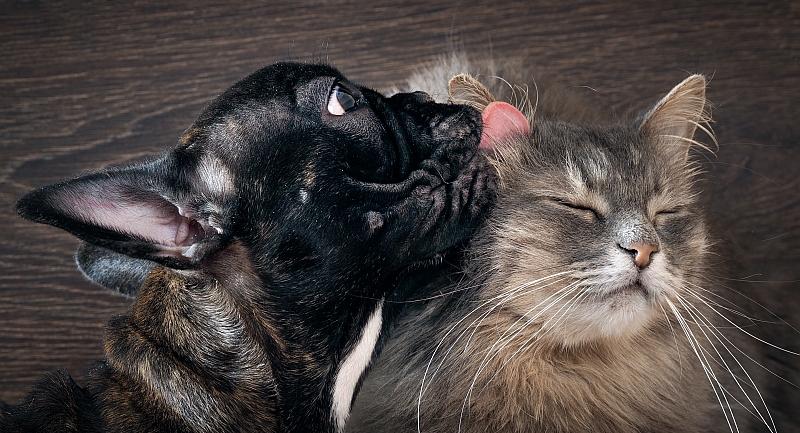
(353, 367)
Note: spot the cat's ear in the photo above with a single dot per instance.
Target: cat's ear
(465, 89)
(676, 117)
(168, 212)
(112, 270)
(501, 120)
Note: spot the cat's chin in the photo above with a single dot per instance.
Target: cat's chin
(617, 315)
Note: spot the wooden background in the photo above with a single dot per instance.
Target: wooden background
(87, 84)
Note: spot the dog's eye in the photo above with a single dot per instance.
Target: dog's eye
(340, 102)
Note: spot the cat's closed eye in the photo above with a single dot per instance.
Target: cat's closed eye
(665, 214)
(584, 211)
(340, 101)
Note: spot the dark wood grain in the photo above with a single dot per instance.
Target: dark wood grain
(84, 85)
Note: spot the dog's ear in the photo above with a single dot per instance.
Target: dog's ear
(112, 270)
(168, 211)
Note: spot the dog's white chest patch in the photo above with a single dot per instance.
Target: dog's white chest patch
(353, 367)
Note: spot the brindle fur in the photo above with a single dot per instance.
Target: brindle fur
(259, 250)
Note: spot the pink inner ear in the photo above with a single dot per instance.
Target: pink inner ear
(500, 121)
(154, 220)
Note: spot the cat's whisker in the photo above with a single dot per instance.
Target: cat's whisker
(745, 331)
(754, 302)
(710, 303)
(716, 386)
(517, 293)
(560, 295)
(722, 335)
(674, 335)
(567, 290)
(426, 299)
(703, 325)
(543, 329)
(473, 325)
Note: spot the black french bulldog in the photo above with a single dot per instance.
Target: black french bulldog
(266, 244)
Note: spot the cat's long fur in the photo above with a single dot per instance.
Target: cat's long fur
(589, 303)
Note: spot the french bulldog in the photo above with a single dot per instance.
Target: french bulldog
(261, 251)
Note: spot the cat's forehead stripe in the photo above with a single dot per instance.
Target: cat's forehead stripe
(598, 166)
(580, 188)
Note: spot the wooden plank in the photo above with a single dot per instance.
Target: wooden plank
(84, 85)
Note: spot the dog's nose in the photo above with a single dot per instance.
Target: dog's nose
(641, 252)
(422, 97)
(413, 100)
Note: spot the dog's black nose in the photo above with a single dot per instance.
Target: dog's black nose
(422, 97)
(449, 133)
(413, 99)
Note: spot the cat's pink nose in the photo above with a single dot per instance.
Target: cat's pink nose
(641, 253)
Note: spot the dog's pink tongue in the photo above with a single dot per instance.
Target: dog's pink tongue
(501, 120)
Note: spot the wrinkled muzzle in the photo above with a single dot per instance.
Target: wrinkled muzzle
(428, 135)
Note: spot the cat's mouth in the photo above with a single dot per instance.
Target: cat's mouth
(628, 290)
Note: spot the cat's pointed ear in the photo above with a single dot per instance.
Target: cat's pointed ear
(465, 89)
(112, 270)
(676, 117)
(500, 119)
(167, 212)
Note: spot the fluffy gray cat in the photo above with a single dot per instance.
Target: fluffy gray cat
(589, 301)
